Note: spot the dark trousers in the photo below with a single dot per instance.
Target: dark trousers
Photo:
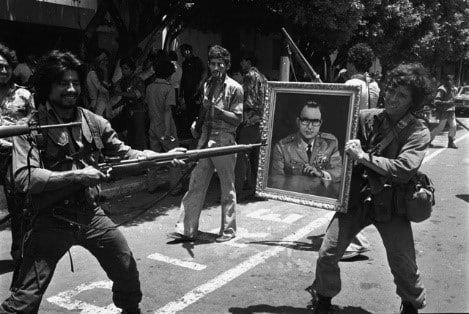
(398, 241)
(247, 162)
(137, 129)
(192, 108)
(50, 239)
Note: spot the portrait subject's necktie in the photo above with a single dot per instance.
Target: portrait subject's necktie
(309, 151)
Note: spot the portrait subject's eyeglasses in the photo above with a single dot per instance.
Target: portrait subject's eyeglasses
(307, 122)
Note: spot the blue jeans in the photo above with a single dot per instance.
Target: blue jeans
(398, 241)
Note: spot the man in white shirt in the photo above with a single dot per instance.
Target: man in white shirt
(359, 60)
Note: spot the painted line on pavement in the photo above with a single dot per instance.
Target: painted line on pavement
(439, 151)
(199, 292)
(177, 262)
(64, 299)
(265, 214)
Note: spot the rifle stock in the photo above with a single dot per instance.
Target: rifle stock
(130, 166)
(301, 58)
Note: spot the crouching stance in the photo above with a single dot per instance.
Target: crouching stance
(54, 168)
(388, 163)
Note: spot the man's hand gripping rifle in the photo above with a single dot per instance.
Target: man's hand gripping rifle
(121, 168)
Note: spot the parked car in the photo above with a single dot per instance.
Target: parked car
(461, 100)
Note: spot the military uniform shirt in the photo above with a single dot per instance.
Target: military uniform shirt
(61, 137)
(289, 156)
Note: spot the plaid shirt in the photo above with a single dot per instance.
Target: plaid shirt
(255, 88)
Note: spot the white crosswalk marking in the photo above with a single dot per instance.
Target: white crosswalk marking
(177, 262)
(265, 214)
(66, 299)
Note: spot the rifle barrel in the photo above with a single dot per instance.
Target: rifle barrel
(20, 129)
(187, 156)
(301, 58)
(54, 126)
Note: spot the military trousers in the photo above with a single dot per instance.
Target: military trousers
(50, 239)
(193, 200)
(398, 241)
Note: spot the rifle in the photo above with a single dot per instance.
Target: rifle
(301, 58)
(20, 129)
(119, 168)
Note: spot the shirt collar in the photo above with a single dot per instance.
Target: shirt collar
(57, 134)
(303, 145)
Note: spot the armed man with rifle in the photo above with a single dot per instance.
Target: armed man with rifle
(60, 185)
(16, 105)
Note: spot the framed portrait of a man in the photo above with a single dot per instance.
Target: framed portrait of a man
(306, 126)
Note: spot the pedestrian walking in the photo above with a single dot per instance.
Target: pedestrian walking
(446, 110)
(223, 103)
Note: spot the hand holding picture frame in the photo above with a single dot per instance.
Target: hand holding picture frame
(306, 126)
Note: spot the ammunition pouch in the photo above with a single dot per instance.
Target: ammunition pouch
(413, 200)
(416, 198)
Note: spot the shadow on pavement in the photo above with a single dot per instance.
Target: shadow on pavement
(294, 245)
(6, 266)
(265, 308)
(464, 197)
(315, 244)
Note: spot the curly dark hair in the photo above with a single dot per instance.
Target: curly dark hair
(51, 68)
(416, 77)
(164, 68)
(361, 56)
(218, 51)
(9, 55)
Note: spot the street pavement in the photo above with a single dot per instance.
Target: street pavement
(268, 266)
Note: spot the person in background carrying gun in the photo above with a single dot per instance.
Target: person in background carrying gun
(223, 99)
(57, 174)
(446, 110)
(16, 106)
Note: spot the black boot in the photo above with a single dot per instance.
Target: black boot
(451, 143)
(323, 305)
(408, 308)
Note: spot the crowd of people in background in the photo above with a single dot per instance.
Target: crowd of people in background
(152, 100)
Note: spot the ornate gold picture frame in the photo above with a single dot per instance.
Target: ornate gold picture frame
(284, 163)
